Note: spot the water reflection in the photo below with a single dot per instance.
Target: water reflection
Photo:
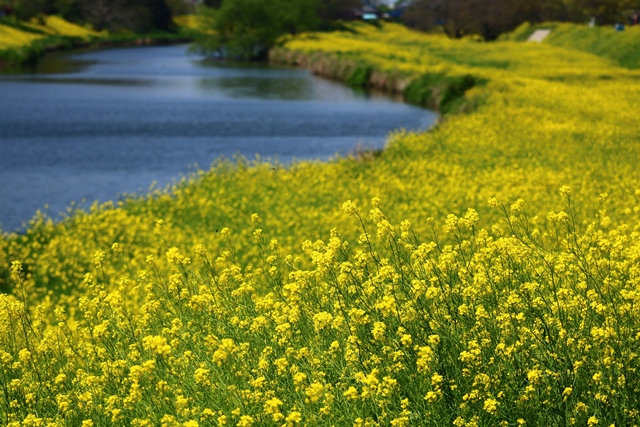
(266, 88)
(86, 81)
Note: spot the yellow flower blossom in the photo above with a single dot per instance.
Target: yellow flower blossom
(315, 391)
(245, 421)
(378, 330)
(491, 406)
(293, 418)
(156, 344)
(272, 407)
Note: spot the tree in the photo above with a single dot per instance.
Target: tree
(68, 9)
(455, 17)
(249, 28)
(490, 18)
(332, 10)
(180, 7)
(111, 15)
(134, 15)
(160, 15)
(605, 11)
(25, 10)
(495, 18)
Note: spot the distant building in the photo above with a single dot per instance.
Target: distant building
(382, 9)
(369, 13)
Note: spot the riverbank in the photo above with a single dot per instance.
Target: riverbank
(23, 44)
(436, 91)
(483, 273)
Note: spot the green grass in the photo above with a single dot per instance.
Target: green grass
(439, 91)
(623, 47)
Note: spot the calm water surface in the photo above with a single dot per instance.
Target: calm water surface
(95, 125)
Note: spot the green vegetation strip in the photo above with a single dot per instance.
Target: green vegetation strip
(28, 54)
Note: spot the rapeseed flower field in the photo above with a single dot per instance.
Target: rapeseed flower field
(11, 37)
(483, 273)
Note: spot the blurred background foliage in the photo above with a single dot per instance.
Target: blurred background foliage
(490, 18)
(112, 15)
(249, 28)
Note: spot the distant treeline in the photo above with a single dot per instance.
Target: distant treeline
(249, 28)
(139, 16)
(147, 15)
(490, 18)
(319, 11)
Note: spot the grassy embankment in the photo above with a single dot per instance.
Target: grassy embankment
(22, 43)
(486, 272)
(621, 47)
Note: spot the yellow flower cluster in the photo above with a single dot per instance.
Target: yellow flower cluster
(11, 37)
(486, 272)
(55, 25)
(52, 26)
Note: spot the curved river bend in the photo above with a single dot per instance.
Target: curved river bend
(96, 125)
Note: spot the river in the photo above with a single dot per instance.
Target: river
(95, 125)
